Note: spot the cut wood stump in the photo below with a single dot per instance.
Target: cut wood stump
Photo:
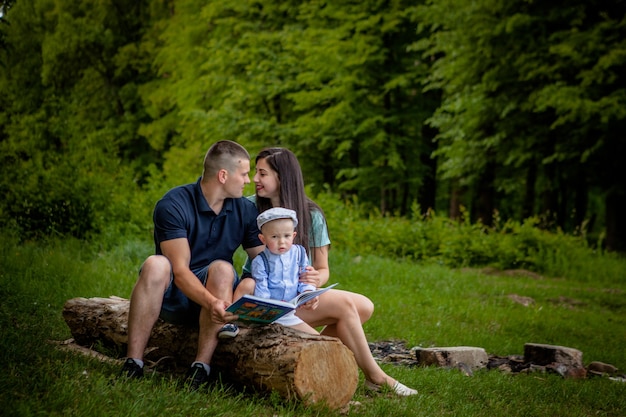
(297, 365)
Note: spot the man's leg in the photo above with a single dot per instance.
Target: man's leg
(145, 303)
(243, 287)
(220, 279)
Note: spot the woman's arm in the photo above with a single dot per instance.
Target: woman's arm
(319, 272)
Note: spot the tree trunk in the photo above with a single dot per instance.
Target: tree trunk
(549, 197)
(615, 206)
(427, 192)
(581, 201)
(528, 205)
(456, 196)
(311, 368)
(484, 203)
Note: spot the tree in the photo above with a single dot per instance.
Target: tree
(70, 114)
(332, 81)
(532, 91)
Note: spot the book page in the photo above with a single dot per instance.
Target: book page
(309, 295)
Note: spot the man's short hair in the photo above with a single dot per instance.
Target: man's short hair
(224, 154)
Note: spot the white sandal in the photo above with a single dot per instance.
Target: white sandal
(398, 388)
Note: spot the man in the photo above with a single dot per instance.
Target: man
(197, 229)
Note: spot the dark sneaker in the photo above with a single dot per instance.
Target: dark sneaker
(196, 377)
(228, 331)
(131, 370)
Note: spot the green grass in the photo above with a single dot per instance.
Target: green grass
(434, 306)
(424, 304)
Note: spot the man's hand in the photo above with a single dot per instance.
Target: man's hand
(219, 313)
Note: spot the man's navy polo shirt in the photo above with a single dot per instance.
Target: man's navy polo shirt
(184, 212)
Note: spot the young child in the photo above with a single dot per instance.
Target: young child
(276, 270)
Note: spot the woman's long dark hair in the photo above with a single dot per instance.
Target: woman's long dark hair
(292, 194)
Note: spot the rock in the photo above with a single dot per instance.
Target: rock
(452, 357)
(465, 369)
(540, 354)
(393, 351)
(601, 368)
(537, 358)
(508, 364)
(565, 361)
(570, 372)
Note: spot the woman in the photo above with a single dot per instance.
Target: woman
(279, 183)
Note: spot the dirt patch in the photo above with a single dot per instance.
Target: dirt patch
(520, 299)
(567, 302)
(521, 273)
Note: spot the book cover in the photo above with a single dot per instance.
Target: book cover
(259, 310)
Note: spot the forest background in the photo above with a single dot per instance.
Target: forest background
(463, 151)
(497, 113)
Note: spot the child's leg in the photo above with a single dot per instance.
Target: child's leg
(246, 286)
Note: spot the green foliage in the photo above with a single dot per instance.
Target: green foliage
(333, 82)
(437, 239)
(104, 105)
(530, 89)
(71, 160)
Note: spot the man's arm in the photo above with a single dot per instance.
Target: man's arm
(253, 252)
(179, 254)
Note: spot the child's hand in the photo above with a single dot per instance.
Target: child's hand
(311, 304)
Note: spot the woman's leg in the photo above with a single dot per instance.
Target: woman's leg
(303, 327)
(339, 311)
(364, 306)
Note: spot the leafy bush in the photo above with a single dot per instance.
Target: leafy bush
(73, 200)
(436, 238)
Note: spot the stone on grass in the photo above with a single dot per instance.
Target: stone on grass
(565, 361)
(541, 354)
(601, 368)
(453, 357)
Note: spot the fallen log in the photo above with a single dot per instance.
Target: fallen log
(310, 368)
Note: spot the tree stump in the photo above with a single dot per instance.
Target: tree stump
(310, 368)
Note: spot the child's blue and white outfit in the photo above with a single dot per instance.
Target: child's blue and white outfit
(277, 277)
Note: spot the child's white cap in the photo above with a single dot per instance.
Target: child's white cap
(276, 213)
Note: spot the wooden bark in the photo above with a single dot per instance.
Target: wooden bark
(311, 368)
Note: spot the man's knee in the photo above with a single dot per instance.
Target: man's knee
(156, 269)
(221, 273)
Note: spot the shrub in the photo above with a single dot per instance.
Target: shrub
(436, 238)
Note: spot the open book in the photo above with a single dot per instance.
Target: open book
(254, 309)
